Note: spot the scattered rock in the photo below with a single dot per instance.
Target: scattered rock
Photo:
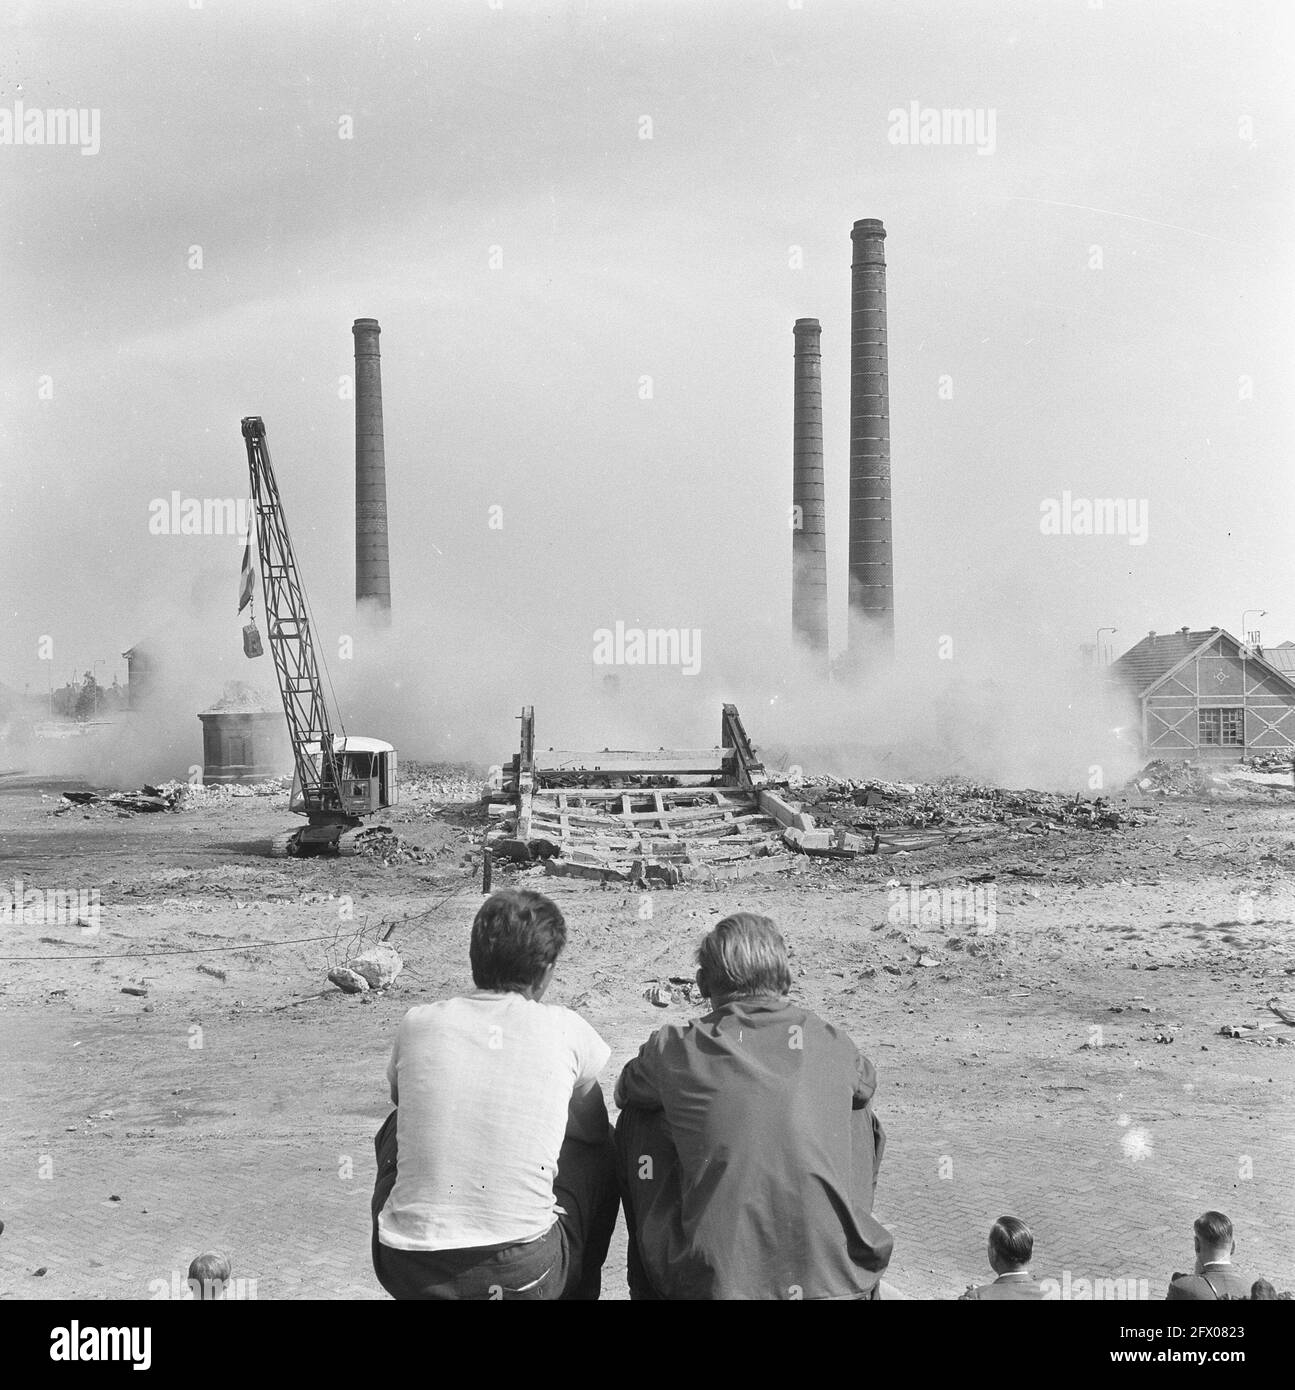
(379, 965)
(348, 981)
(686, 991)
(659, 995)
(213, 972)
(381, 843)
(892, 970)
(134, 989)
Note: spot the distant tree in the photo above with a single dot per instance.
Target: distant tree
(87, 700)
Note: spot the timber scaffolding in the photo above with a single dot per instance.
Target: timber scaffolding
(654, 818)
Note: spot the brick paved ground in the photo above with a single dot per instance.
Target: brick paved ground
(259, 1141)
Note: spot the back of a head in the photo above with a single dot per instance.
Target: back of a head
(1012, 1241)
(208, 1275)
(744, 955)
(516, 935)
(1261, 1290)
(1213, 1230)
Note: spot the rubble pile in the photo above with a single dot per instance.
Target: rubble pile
(216, 793)
(1175, 778)
(1272, 762)
(423, 786)
(1231, 781)
(120, 803)
(383, 845)
(872, 805)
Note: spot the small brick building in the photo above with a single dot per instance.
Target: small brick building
(244, 739)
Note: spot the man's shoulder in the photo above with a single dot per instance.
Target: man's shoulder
(1188, 1286)
(579, 1034)
(550, 1024)
(566, 1018)
(1205, 1288)
(1006, 1291)
(471, 1011)
(419, 1015)
(766, 1015)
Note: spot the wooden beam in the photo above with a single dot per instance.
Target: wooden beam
(612, 759)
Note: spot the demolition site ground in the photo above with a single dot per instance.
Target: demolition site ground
(180, 1076)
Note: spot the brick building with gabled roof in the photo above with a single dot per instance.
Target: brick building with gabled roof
(1204, 694)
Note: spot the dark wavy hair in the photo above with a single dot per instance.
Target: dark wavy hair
(1012, 1241)
(516, 935)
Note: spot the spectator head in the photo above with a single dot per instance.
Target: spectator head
(1011, 1244)
(1261, 1289)
(517, 936)
(208, 1275)
(742, 955)
(1213, 1238)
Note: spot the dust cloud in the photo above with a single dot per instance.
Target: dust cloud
(447, 685)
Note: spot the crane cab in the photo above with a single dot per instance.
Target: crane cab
(366, 773)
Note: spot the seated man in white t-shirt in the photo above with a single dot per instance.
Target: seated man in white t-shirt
(496, 1172)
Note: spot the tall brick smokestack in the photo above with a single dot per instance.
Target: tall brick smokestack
(871, 596)
(372, 564)
(808, 537)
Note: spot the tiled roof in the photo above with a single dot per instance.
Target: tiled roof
(1149, 659)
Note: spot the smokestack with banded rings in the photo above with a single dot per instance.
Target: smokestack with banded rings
(871, 594)
(808, 536)
(372, 561)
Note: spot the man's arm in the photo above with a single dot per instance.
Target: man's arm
(637, 1086)
(865, 1080)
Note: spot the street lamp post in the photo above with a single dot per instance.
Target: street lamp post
(1100, 630)
(1245, 636)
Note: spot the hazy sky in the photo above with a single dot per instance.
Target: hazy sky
(1108, 292)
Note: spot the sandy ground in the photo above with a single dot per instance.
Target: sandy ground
(1020, 1071)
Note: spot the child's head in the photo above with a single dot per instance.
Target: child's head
(208, 1275)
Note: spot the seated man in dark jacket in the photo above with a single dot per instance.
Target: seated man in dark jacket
(1011, 1243)
(747, 1148)
(1214, 1275)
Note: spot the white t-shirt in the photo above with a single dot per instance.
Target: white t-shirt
(482, 1084)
